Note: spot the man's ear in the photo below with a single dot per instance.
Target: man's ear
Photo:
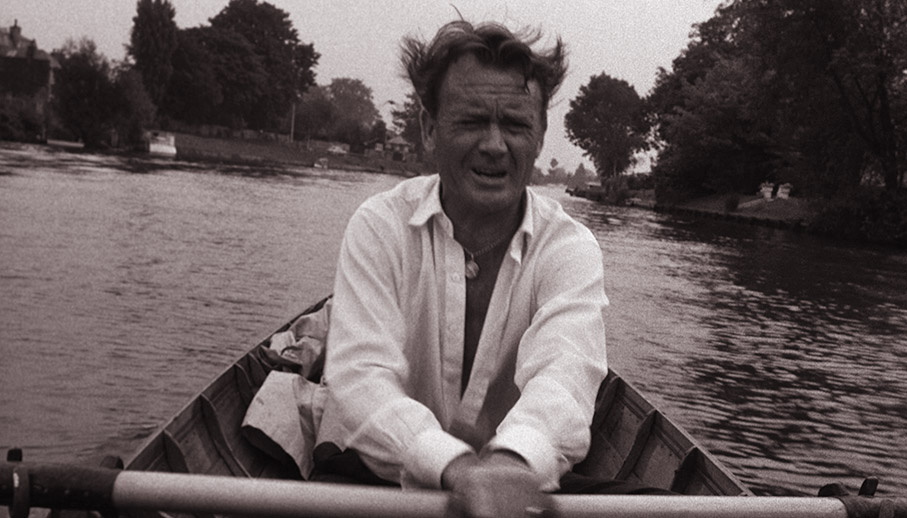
(428, 125)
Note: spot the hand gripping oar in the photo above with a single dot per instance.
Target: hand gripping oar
(68, 487)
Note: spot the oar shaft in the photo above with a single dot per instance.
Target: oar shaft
(69, 487)
(625, 506)
(269, 498)
(279, 499)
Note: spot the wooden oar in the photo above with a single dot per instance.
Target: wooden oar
(67, 487)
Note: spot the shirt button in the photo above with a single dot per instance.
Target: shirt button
(455, 277)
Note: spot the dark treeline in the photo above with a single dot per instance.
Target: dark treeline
(807, 92)
(246, 70)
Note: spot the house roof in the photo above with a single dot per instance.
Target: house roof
(399, 141)
(20, 47)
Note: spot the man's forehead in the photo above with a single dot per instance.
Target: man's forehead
(468, 77)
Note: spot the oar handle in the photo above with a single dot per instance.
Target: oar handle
(61, 486)
(69, 487)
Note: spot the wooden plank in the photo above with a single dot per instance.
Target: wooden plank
(216, 433)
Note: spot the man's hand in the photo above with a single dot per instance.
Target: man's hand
(499, 485)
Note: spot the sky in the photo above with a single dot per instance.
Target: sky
(626, 39)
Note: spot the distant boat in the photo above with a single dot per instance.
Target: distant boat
(321, 163)
(159, 143)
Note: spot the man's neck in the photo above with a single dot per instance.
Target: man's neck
(477, 230)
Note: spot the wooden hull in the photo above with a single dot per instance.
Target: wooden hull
(631, 439)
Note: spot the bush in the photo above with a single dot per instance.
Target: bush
(868, 214)
(615, 190)
(19, 120)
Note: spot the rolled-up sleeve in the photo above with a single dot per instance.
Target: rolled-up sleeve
(367, 407)
(561, 361)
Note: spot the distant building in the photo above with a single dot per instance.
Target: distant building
(25, 70)
(399, 148)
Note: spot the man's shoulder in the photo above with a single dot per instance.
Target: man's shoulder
(403, 199)
(551, 219)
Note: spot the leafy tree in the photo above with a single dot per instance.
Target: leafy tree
(286, 62)
(808, 91)
(152, 43)
(94, 102)
(580, 177)
(315, 113)
(239, 72)
(718, 140)
(133, 110)
(607, 121)
(195, 94)
(353, 104)
(82, 90)
(378, 132)
(406, 121)
(19, 120)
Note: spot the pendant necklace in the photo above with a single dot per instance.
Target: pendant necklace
(472, 268)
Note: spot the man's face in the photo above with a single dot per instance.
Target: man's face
(485, 139)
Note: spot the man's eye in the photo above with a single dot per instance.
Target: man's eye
(518, 124)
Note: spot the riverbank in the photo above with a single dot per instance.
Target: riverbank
(792, 213)
(238, 151)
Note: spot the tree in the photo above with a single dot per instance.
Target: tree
(406, 121)
(95, 103)
(152, 43)
(807, 91)
(195, 93)
(607, 121)
(580, 177)
(133, 110)
(315, 113)
(239, 72)
(718, 139)
(378, 132)
(353, 104)
(286, 62)
(82, 91)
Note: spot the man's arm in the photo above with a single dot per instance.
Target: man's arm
(561, 361)
(399, 438)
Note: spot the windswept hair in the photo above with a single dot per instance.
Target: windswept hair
(492, 44)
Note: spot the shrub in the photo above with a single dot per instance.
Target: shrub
(615, 190)
(19, 120)
(868, 214)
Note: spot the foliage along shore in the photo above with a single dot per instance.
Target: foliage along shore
(868, 215)
(238, 151)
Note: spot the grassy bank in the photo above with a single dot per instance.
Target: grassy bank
(238, 151)
(794, 211)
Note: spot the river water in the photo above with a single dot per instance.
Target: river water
(126, 284)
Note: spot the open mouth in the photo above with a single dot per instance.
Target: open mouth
(490, 173)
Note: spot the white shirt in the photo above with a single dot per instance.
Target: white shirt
(395, 345)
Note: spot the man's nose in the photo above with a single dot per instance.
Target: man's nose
(493, 141)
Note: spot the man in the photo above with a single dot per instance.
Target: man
(466, 344)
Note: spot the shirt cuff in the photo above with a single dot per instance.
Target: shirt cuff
(536, 450)
(425, 460)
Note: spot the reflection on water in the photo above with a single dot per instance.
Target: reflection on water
(124, 293)
(127, 284)
(785, 354)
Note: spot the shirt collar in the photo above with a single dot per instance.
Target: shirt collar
(430, 205)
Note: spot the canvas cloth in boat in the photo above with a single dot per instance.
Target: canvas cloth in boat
(283, 417)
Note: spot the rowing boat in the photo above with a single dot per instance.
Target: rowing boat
(631, 439)
(201, 464)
